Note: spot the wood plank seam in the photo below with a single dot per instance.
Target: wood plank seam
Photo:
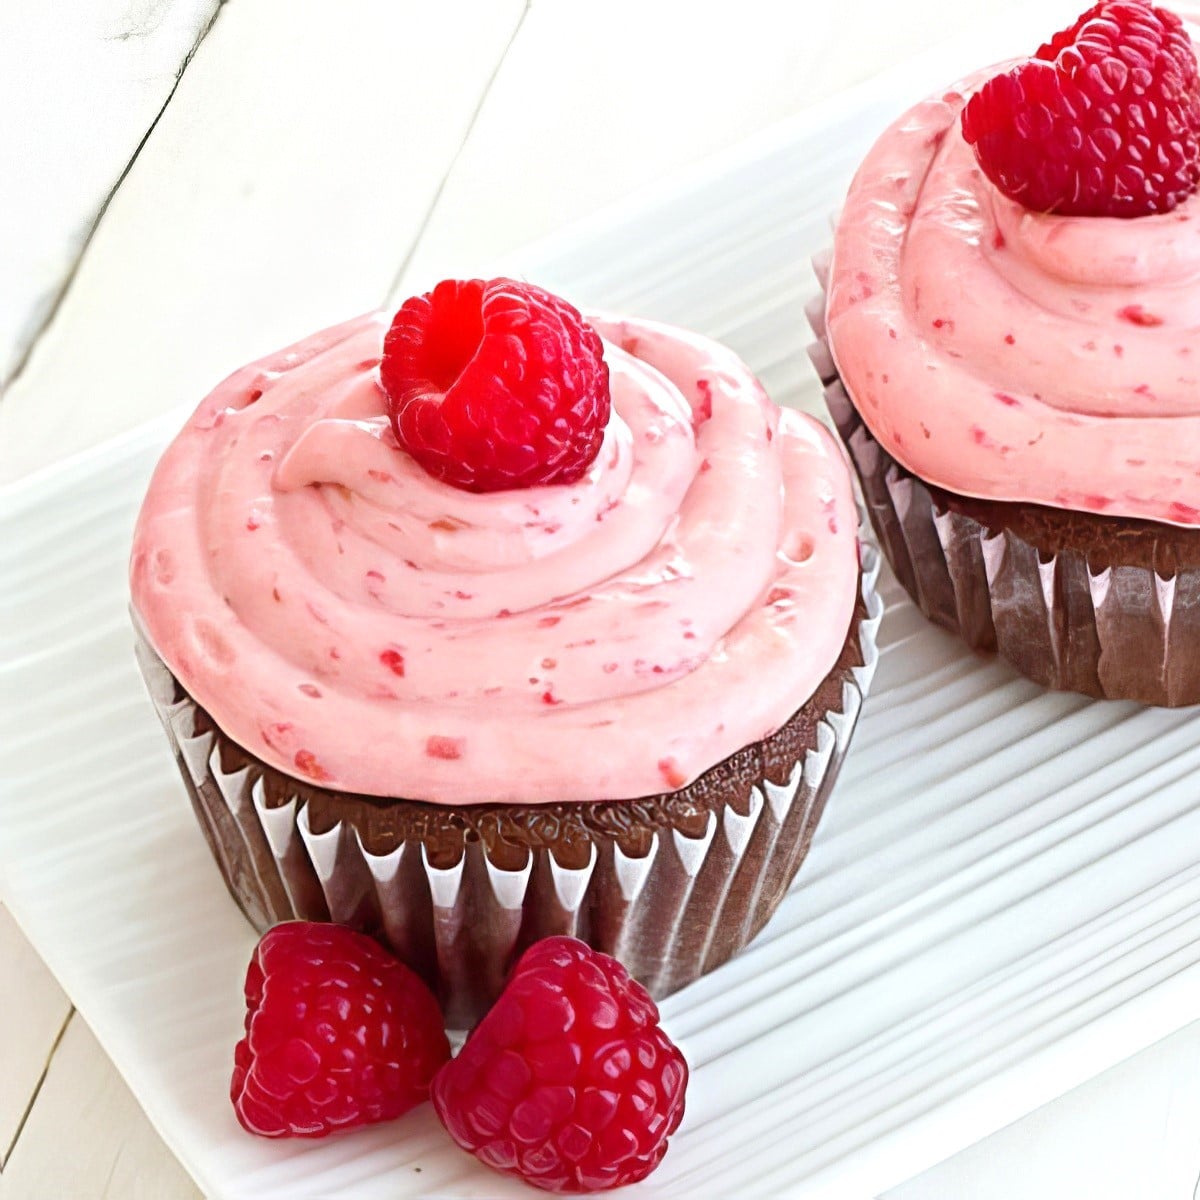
(36, 337)
(37, 1088)
(466, 137)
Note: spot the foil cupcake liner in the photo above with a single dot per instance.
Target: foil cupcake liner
(1113, 630)
(671, 901)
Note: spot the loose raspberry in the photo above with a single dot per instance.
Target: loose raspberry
(1104, 122)
(338, 1034)
(495, 384)
(568, 1082)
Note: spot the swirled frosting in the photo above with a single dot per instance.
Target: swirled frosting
(1012, 355)
(352, 621)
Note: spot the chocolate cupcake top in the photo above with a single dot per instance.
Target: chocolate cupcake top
(1012, 354)
(353, 620)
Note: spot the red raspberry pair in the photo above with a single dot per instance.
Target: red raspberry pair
(568, 1083)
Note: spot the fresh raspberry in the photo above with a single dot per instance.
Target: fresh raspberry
(1104, 122)
(338, 1034)
(495, 384)
(568, 1082)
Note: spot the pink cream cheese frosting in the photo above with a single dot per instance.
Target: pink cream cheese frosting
(354, 622)
(1012, 355)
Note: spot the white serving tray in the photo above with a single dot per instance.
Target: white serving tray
(1003, 898)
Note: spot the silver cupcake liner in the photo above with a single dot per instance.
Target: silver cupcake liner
(670, 913)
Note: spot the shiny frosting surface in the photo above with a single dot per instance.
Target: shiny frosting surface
(1012, 355)
(356, 623)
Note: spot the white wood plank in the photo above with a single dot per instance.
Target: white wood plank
(86, 1138)
(600, 98)
(279, 192)
(80, 84)
(33, 1010)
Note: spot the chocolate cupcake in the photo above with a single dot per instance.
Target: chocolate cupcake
(1010, 353)
(454, 650)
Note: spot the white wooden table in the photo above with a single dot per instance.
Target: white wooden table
(190, 184)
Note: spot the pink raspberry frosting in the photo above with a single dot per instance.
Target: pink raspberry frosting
(1013, 355)
(352, 621)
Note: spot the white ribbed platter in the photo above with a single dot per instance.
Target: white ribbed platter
(1002, 900)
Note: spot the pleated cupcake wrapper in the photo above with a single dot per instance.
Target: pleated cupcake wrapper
(1118, 632)
(670, 915)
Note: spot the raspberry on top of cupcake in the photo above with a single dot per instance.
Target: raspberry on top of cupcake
(1014, 301)
(477, 554)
